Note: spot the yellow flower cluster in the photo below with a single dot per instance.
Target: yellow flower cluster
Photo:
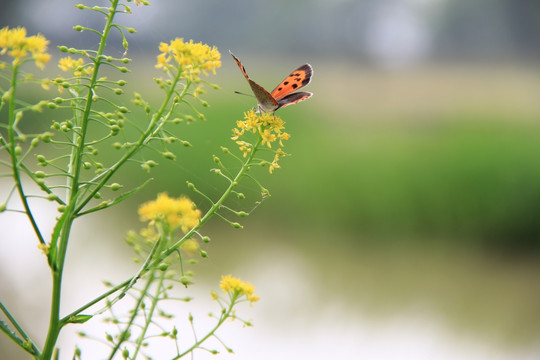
(74, 66)
(270, 129)
(176, 213)
(238, 287)
(18, 45)
(192, 58)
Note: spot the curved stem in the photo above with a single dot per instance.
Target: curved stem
(14, 160)
(198, 343)
(155, 300)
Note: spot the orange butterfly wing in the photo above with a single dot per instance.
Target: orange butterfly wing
(296, 80)
(265, 101)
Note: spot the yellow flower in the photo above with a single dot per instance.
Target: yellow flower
(268, 126)
(189, 57)
(177, 213)
(76, 67)
(18, 45)
(237, 287)
(245, 147)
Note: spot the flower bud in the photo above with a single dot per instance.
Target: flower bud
(237, 225)
(39, 174)
(241, 196)
(115, 187)
(46, 137)
(168, 155)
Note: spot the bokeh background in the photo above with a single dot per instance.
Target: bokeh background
(405, 225)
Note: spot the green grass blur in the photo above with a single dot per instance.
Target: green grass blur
(465, 173)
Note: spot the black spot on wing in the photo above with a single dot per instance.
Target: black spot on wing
(294, 98)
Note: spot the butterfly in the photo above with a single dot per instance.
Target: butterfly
(283, 94)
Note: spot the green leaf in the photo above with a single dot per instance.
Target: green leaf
(79, 319)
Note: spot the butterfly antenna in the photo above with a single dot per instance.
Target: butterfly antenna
(241, 93)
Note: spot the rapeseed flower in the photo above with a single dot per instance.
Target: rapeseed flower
(270, 129)
(16, 44)
(74, 66)
(189, 57)
(237, 288)
(176, 213)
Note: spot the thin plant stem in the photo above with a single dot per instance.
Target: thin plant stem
(55, 324)
(14, 160)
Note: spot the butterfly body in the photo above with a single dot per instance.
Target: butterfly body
(283, 94)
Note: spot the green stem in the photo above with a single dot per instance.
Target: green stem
(163, 240)
(198, 343)
(216, 206)
(155, 300)
(127, 284)
(14, 161)
(79, 151)
(135, 312)
(55, 324)
(28, 345)
(144, 139)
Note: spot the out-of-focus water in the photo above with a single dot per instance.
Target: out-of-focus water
(302, 313)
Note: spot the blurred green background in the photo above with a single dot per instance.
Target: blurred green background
(405, 222)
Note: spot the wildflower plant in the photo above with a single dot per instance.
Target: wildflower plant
(63, 165)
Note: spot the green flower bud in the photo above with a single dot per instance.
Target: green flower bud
(34, 142)
(46, 137)
(115, 129)
(237, 225)
(39, 174)
(184, 280)
(168, 155)
(115, 187)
